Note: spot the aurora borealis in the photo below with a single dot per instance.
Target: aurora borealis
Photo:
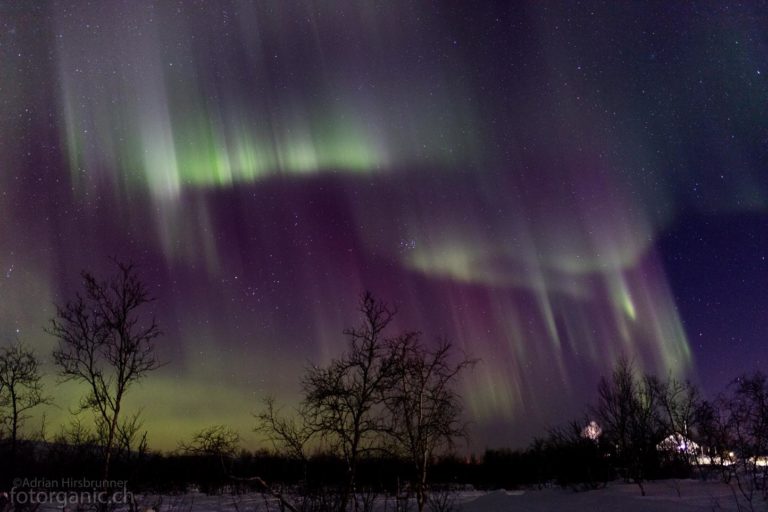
(550, 185)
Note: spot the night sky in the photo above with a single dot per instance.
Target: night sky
(549, 185)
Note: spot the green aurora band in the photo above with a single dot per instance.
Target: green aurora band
(265, 164)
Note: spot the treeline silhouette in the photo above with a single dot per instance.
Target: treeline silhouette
(382, 418)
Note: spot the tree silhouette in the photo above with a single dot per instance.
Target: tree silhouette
(746, 411)
(105, 343)
(21, 388)
(423, 404)
(289, 436)
(628, 412)
(343, 402)
(385, 394)
(217, 441)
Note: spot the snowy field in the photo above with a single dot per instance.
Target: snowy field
(677, 496)
(663, 496)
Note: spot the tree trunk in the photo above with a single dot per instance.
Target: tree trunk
(349, 489)
(421, 487)
(14, 426)
(421, 498)
(110, 439)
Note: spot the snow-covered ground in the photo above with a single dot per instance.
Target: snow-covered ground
(672, 496)
(662, 496)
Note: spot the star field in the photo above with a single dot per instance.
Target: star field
(549, 185)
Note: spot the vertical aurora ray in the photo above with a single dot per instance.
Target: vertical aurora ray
(146, 106)
(167, 117)
(567, 265)
(508, 174)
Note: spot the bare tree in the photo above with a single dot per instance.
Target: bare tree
(423, 405)
(343, 401)
(21, 387)
(106, 343)
(289, 436)
(747, 423)
(614, 407)
(218, 441)
(130, 437)
(575, 455)
(713, 432)
(678, 404)
(628, 412)
(76, 441)
(221, 442)
(76, 435)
